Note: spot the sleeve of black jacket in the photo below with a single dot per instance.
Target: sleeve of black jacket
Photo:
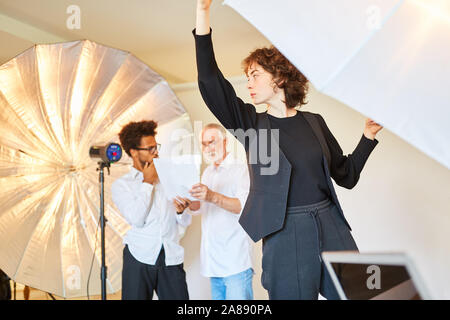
(345, 170)
(217, 92)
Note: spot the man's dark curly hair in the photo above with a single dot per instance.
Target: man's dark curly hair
(286, 76)
(131, 134)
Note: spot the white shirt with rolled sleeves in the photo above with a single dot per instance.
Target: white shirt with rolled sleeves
(225, 248)
(153, 219)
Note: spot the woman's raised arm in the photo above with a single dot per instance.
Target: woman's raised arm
(216, 91)
(202, 23)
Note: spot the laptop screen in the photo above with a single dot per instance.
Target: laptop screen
(369, 281)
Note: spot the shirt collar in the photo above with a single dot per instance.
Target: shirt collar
(135, 173)
(227, 162)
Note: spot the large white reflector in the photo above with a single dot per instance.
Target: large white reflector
(388, 59)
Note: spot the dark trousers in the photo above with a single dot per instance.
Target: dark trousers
(139, 280)
(292, 266)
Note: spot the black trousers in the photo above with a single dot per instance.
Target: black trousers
(291, 263)
(140, 280)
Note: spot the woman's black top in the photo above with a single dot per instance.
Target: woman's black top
(297, 141)
(308, 183)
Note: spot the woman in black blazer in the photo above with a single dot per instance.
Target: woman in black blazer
(294, 208)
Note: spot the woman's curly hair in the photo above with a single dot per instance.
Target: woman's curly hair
(131, 134)
(286, 76)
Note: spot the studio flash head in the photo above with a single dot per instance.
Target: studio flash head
(110, 153)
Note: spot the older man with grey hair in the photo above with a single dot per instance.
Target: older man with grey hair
(225, 252)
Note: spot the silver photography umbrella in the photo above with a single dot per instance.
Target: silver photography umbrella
(55, 102)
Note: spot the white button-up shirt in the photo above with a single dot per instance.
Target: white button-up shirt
(153, 219)
(225, 248)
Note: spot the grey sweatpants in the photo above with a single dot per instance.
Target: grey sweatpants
(292, 266)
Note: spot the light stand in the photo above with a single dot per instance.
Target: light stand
(103, 272)
(108, 154)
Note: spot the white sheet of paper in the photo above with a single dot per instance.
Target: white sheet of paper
(178, 174)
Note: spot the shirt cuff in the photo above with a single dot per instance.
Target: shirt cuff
(184, 219)
(364, 149)
(370, 143)
(208, 35)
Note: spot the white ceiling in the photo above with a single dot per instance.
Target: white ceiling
(156, 31)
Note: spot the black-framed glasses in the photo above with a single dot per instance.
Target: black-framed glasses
(151, 149)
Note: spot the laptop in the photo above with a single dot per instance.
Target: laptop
(374, 276)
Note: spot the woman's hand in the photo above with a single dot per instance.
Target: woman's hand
(371, 129)
(203, 4)
(202, 21)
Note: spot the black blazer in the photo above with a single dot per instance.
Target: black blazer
(265, 209)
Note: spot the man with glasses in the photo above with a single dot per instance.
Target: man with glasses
(152, 257)
(225, 250)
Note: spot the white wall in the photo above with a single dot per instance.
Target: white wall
(400, 204)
